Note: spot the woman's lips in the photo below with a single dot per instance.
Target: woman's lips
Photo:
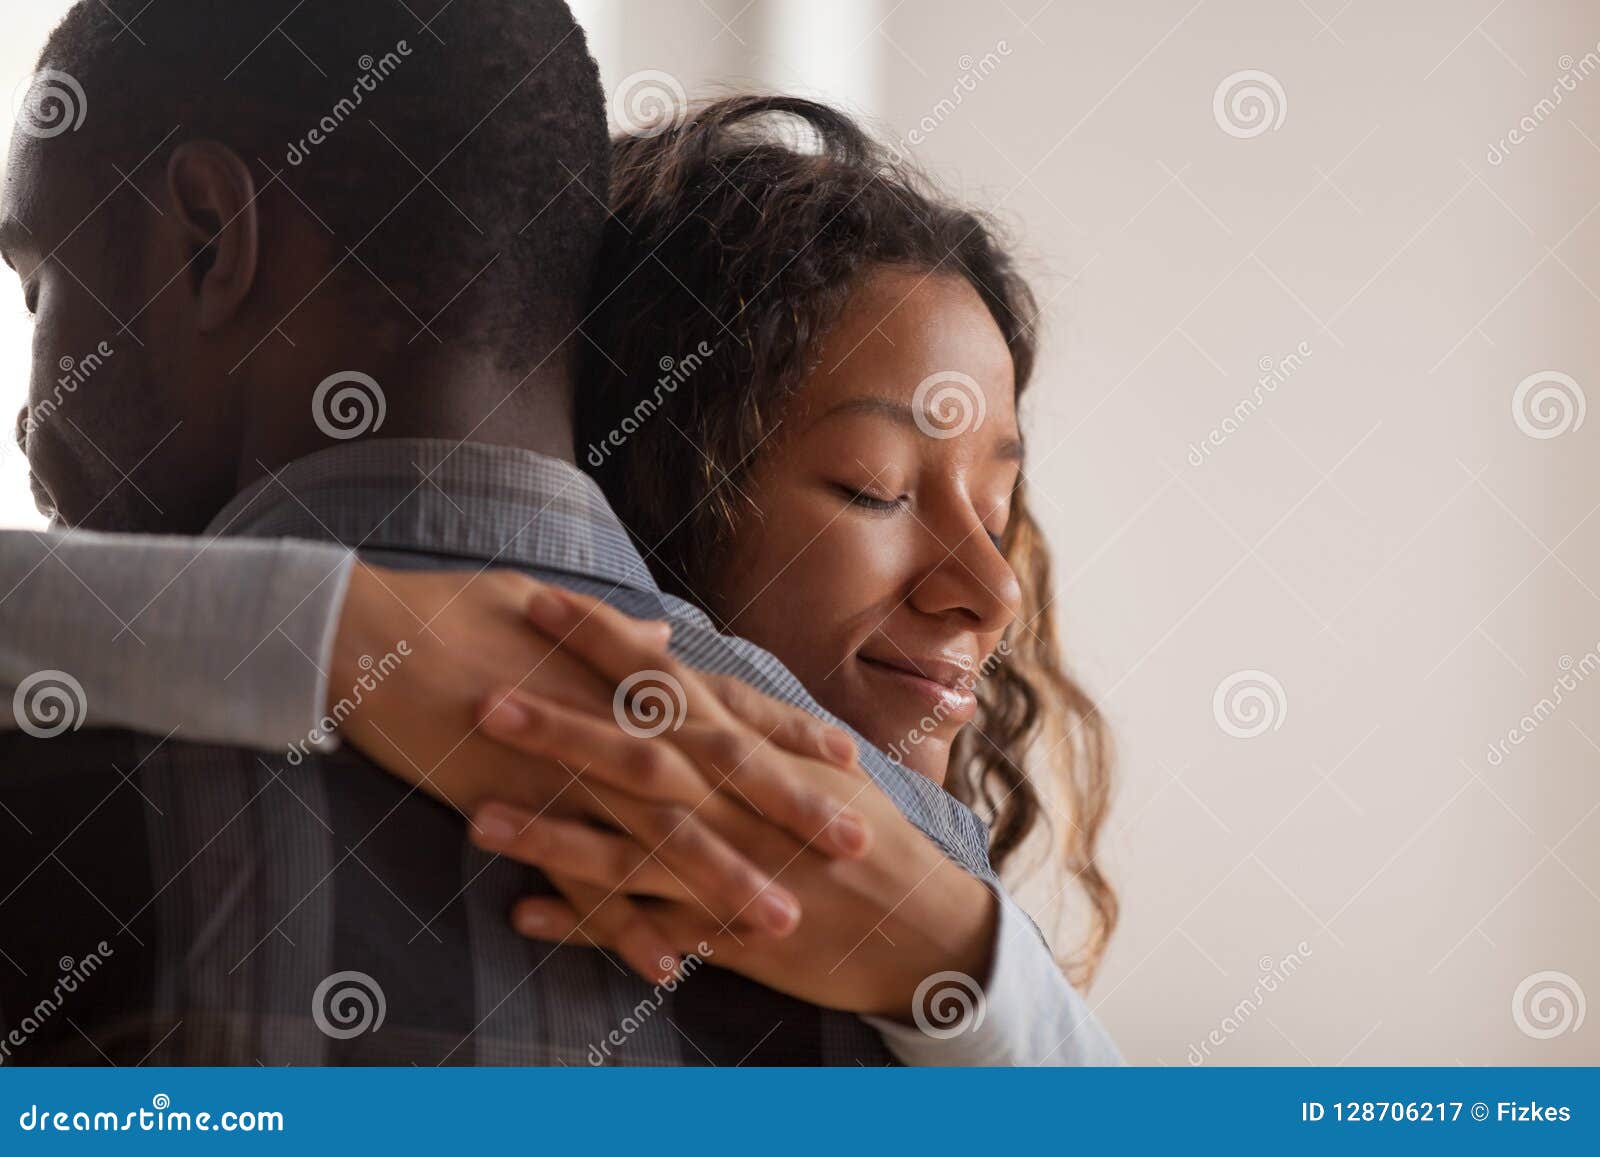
(940, 689)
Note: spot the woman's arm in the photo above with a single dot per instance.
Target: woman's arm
(899, 934)
(257, 643)
(947, 971)
(223, 641)
(1030, 1014)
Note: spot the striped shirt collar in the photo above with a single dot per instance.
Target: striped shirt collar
(490, 504)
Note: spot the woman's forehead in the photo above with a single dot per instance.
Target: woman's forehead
(909, 337)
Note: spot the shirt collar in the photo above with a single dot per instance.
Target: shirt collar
(492, 504)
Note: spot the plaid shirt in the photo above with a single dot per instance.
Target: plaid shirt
(183, 904)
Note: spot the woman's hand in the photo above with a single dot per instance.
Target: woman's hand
(458, 641)
(873, 928)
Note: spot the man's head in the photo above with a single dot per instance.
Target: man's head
(214, 206)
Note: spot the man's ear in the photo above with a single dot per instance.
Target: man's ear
(213, 196)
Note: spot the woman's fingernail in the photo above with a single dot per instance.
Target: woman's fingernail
(778, 911)
(506, 716)
(498, 824)
(849, 832)
(531, 921)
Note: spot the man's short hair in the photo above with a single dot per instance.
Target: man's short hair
(449, 143)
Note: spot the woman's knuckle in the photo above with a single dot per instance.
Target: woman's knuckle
(689, 840)
(728, 752)
(663, 821)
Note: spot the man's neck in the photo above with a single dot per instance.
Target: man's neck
(535, 414)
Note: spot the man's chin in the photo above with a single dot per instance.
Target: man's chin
(43, 501)
(66, 491)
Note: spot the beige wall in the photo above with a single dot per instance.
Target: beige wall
(1380, 537)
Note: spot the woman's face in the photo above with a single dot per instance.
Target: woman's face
(872, 568)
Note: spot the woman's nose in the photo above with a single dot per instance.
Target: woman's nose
(972, 580)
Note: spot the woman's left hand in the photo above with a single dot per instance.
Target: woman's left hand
(873, 929)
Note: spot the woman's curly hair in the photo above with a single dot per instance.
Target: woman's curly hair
(737, 236)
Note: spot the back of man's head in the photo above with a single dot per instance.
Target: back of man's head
(432, 137)
(222, 203)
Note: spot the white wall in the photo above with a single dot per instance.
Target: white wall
(1380, 536)
(25, 27)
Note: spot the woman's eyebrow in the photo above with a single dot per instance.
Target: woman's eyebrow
(894, 409)
(900, 411)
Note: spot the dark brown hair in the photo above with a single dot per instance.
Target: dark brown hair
(737, 236)
(496, 246)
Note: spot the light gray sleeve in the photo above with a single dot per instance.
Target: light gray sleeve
(220, 641)
(1024, 1014)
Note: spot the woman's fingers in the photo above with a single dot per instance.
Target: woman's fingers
(577, 851)
(784, 724)
(592, 746)
(611, 919)
(549, 918)
(555, 919)
(810, 800)
(729, 887)
(614, 921)
(614, 644)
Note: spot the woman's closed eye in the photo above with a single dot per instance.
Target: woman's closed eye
(867, 500)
